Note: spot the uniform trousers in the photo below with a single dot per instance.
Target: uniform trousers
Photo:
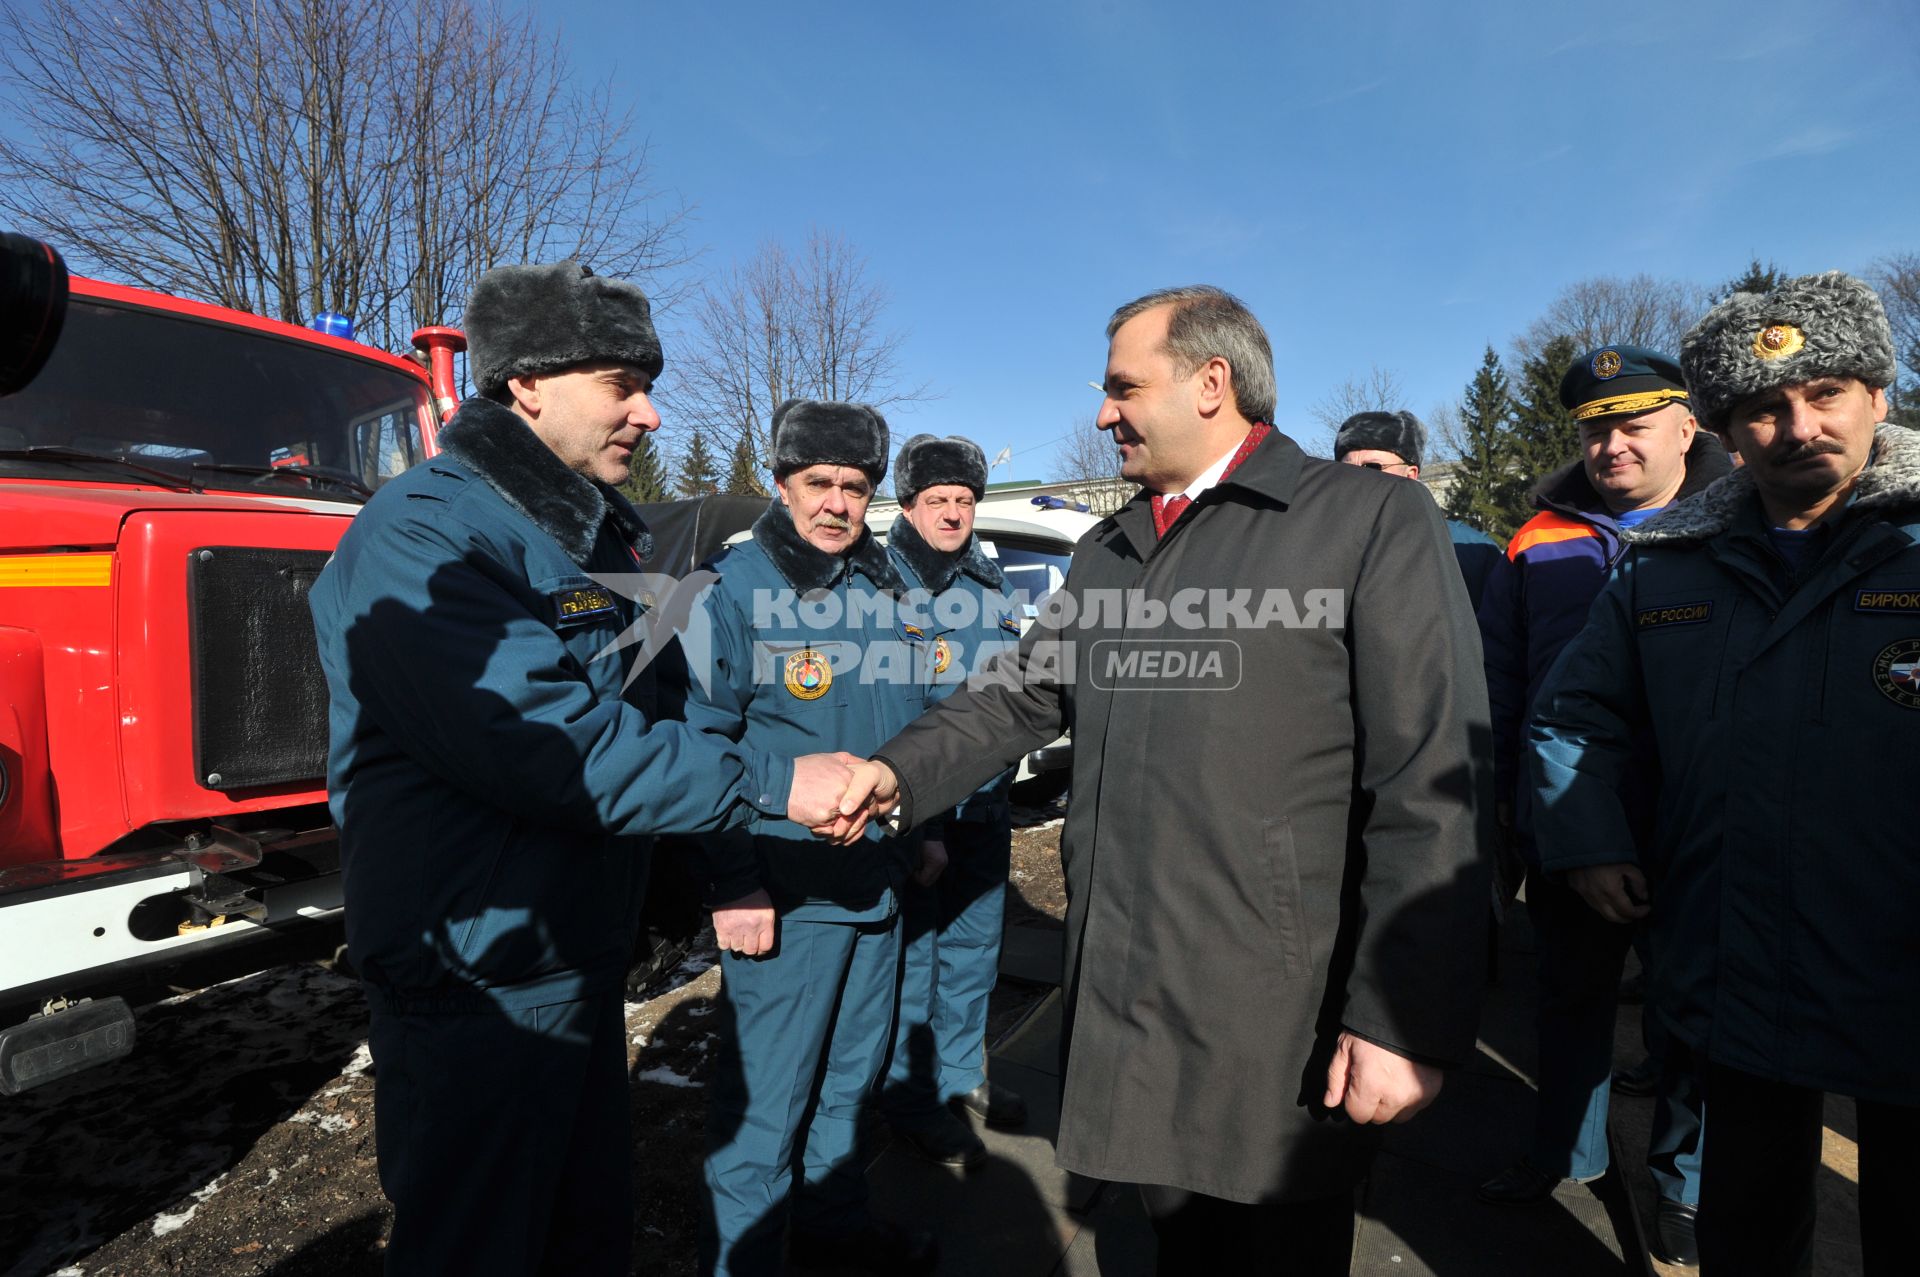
(1200, 1234)
(503, 1139)
(1582, 956)
(950, 958)
(1761, 1179)
(805, 1033)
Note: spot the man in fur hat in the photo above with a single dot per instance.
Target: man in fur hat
(1393, 443)
(808, 650)
(496, 785)
(1759, 647)
(951, 926)
(1640, 451)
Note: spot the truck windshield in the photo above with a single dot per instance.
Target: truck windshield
(132, 394)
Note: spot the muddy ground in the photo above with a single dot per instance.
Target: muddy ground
(238, 1138)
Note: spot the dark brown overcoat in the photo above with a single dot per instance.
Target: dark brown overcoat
(1261, 848)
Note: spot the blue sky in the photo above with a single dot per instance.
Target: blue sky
(1384, 183)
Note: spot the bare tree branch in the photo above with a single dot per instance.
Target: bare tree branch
(1638, 310)
(292, 156)
(783, 325)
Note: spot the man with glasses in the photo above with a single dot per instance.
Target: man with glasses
(1393, 443)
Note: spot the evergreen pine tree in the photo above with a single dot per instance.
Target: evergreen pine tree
(741, 479)
(698, 478)
(647, 477)
(1478, 477)
(1544, 435)
(1755, 279)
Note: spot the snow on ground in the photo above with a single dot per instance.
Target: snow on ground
(151, 1137)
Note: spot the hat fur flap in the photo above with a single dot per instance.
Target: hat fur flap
(1841, 332)
(1397, 432)
(818, 432)
(927, 461)
(523, 321)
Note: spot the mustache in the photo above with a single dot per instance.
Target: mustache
(833, 521)
(1808, 451)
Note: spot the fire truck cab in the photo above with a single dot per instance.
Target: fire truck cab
(171, 483)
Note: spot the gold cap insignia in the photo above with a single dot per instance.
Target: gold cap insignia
(1777, 341)
(809, 674)
(1606, 364)
(942, 655)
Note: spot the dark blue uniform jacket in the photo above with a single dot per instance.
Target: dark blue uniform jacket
(1784, 715)
(807, 652)
(493, 773)
(968, 616)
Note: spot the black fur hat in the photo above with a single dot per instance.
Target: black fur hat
(1397, 432)
(818, 432)
(525, 320)
(927, 461)
(1829, 325)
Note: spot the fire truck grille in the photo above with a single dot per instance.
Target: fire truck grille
(259, 699)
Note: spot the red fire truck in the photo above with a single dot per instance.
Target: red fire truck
(171, 483)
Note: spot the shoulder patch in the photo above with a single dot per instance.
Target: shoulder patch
(1907, 601)
(1654, 618)
(1896, 672)
(1010, 625)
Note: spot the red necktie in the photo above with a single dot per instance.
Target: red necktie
(1166, 510)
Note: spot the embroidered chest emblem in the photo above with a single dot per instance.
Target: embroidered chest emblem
(1896, 672)
(942, 655)
(582, 605)
(1887, 601)
(809, 674)
(1654, 618)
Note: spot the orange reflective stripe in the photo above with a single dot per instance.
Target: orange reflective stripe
(1544, 529)
(54, 571)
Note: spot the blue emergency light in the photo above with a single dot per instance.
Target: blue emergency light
(333, 324)
(1061, 503)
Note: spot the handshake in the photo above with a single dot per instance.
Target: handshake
(836, 795)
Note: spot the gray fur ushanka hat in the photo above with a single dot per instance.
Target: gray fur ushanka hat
(927, 461)
(1829, 325)
(820, 432)
(1397, 432)
(526, 320)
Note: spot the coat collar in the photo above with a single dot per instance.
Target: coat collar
(1271, 470)
(496, 444)
(807, 567)
(938, 569)
(1890, 481)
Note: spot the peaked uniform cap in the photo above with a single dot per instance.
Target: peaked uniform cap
(1621, 381)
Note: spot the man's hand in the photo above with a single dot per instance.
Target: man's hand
(933, 862)
(745, 926)
(871, 790)
(818, 782)
(1377, 1085)
(1617, 892)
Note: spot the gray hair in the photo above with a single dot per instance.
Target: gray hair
(1208, 323)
